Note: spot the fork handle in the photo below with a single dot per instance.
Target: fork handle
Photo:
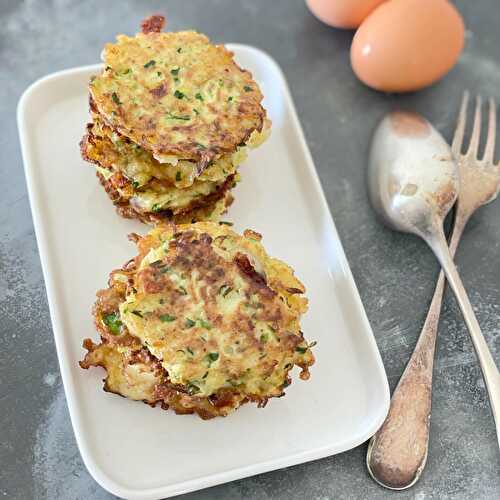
(397, 453)
(490, 372)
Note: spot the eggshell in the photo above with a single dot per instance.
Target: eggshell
(342, 13)
(405, 45)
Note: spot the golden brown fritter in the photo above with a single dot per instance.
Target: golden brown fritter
(219, 315)
(177, 95)
(210, 208)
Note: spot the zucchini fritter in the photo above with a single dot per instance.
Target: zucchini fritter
(177, 95)
(202, 320)
(172, 118)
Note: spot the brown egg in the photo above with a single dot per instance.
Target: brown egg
(405, 45)
(342, 13)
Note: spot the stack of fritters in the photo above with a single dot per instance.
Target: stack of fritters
(202, 320)
(172, 118)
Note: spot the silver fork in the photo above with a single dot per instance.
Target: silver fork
(397, 453)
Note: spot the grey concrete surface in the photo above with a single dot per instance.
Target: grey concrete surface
(395, 273)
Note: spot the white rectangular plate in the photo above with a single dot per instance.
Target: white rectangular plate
(138, 452)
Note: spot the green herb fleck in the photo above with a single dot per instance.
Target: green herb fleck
(192, 388)
(189, 323)
(115, 98)
(167, 318)
(127, 71)
(190, 351)
(179, 94)
(301, 350)
(108, 68)
(264, 337)
(135, 184)
(205, 376)
(288, 365)
(112, 321)
(156, 207)
(158, 73)
(179, 117)
(224, 290)
(178, 176)
(230, 98)
(205, 324)
(183, 290)
(179, 50)
(226, 223)
(198, 96)
(212, 357)
(246, 88)
(200, 146)
(175, 71)
(138, 313)
(196, 112)
(150, 63)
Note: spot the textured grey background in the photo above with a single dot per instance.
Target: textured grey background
(395, 273)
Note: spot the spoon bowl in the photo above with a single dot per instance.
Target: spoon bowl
(412, 177)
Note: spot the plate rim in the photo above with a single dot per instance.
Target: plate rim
(206, 481)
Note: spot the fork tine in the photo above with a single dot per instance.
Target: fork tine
(476, 130)
(458, 138)
(489, 149)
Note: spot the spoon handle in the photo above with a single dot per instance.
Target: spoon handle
(490, 372)
(397, 453)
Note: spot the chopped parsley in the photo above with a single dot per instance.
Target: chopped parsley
(246, 88)
(135, 184)
(192, 388)
(112, 321)
(115, 98)
(196, 111)
(190, 351)
(224, 290)
(179, 117)
(175, 71)
(205, 324)
(150, 63)
(198, 96)
(108, 68)
(179, 50)
(179, 94)
(158, 73)
(212, 357)
(200, 146)
(137, 313)
(183, 290)
(303, 350)
(264, 337)
(178, 176)
(189, 323)
(226, 223)
(167, 318)
(230, 98)
(156, 207)
(205, 376)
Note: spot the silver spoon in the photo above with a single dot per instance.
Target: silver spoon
(413, 183)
